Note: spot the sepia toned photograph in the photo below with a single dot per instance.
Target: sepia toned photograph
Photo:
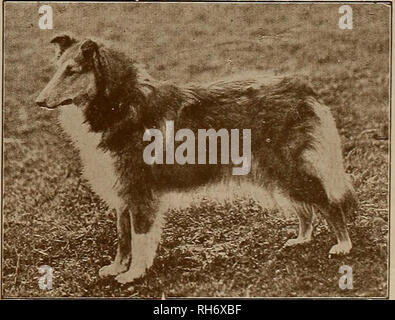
(184, 150)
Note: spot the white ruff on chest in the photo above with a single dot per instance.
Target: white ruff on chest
(98, 166)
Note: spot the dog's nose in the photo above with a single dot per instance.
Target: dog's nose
(41, 103)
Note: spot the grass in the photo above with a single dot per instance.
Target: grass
(214, 249)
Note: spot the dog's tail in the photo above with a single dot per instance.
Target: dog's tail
(323, 160)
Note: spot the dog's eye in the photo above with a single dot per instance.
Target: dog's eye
(70, 70)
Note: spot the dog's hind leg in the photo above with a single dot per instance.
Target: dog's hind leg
(323, 166)
(144, 244)
(334, 215)
(304, 211)
(122, 259)
(305, 214)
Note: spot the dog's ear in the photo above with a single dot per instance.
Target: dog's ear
(88, 48)
(63, 41)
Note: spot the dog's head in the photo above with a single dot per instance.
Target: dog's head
(102, 81)
(75, 80)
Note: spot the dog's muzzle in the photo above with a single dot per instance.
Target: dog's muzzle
(43, 104)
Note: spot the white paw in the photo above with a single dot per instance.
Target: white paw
(133, 273)
(296, 241)
(112, 270)
(340, 248)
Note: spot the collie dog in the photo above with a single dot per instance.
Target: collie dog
(107, 102)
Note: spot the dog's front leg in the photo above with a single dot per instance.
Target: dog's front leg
(123, 256)
(305, 215)
(144, 245)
